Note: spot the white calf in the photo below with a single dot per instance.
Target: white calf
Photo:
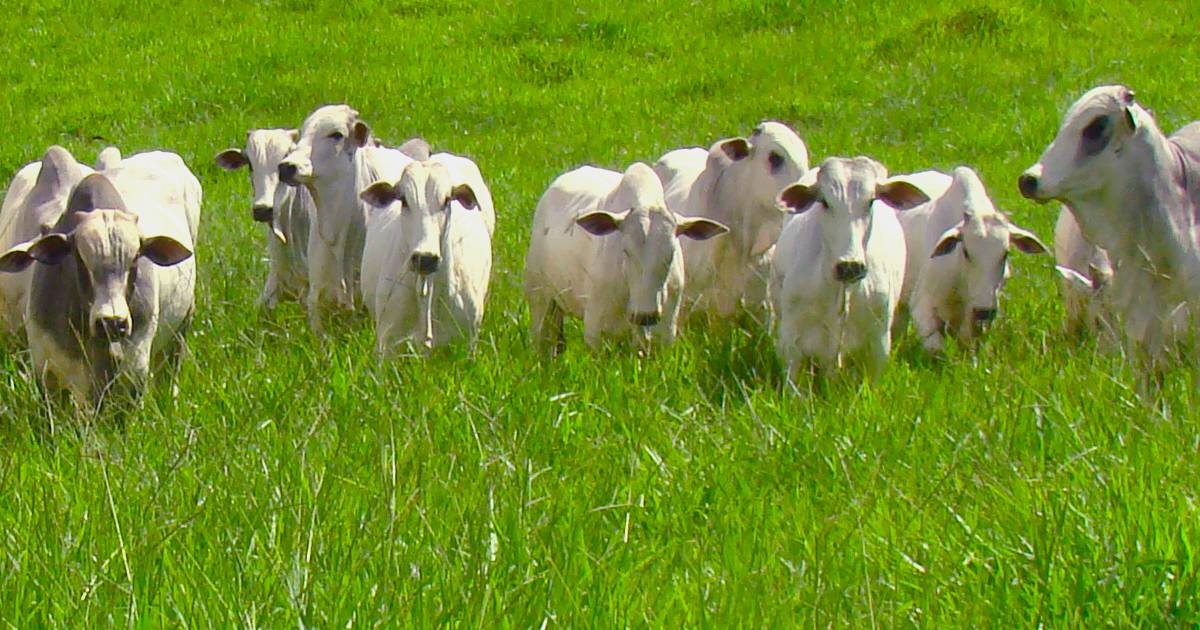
(1086, 272)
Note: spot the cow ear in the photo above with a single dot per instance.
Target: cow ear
(901, 195)
(1025, 240)
(17, 258)
(736, 148)
(361, 133)
(798, 198)
(164, 251)
(699, 229)
(232, 159)
(601, 223)
(463, 194)
(950, 239)
(380, 194)
(51, 249)
(295, 134)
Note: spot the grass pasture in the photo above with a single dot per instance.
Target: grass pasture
(295, 483)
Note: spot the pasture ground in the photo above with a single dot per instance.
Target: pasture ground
(299, 483)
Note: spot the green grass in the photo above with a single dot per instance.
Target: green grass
(295, 483)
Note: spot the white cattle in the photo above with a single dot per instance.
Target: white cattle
(112, 287)
(958, 245)
(605, 247)
(287, 211)
(1136, 193)
(735, 183)
(432, 267)
(838, 268)
(336, 158)
(33, 203)
(1086, 272)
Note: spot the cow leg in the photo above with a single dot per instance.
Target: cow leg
(929, 327)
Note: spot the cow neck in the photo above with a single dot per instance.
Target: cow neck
(338, 202)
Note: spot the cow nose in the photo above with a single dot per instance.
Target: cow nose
(646, 319)
(114, 327)
(1028, 185)
(424, 263)
(287, 173)
(849, 271)
(984, 315)
(264, 214)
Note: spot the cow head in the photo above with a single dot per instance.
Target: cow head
(1085, 156)
(649, 240)
(265, 149)
(429, 201)
(980, 244)
(106, 243)
(329, 138)
(842, 191)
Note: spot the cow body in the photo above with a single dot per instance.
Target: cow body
(1085, 272)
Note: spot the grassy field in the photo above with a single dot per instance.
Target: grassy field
(295, 483)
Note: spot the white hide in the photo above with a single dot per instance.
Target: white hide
(1085, 273)
(286, 211)
(35, 199)
(441, 208)
(335, 158)
(958, 246)
(822, 315)
(604, 247)
(1136, 193)
(735, 183)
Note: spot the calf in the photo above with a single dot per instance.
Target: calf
(838, 268)
(1136, 193)
(958, 245)
(735, 183)
(112, 284)
(286, 210)
(1086, 272)
(605, 248)
(432, 278)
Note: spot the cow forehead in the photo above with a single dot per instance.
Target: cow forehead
(108, 237)
(1103, 99)
(426, 182)
(328, 119)
(779, 136)
(268, 146)
(650, 222)
(847, 180)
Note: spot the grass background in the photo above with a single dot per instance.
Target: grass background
(300, 484)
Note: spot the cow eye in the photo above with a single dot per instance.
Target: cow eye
(337, 135)
(1096, 135)
(775, 160)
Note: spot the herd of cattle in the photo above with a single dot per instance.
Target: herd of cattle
(98, 271)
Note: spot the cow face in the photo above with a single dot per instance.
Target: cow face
(843, 191)
(429, 202)
(649, 240)
(107, 245)
(1086, 154)
(773, 157)
(329, 138)
(265, 149)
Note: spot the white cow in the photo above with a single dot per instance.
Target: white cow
(286, 210)
(735, 183)
(1136, 193)
(112, 287)
(436, 254)
(336, 158)
(958, 245)
(838, 268)
(33, 203)
(1086, 272)
(605, 247)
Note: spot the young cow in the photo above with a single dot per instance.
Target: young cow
(838, 267)
(432, 267)
(1086, 272)
(605, 248)
(286, 210)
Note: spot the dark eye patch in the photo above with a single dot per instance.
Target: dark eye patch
(337, 135)
(1096, 136)
(775, 160)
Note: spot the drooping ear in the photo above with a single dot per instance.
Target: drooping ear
(360, 132)
(699, 229)
(464, 195)
(736, 148)
(164, 251)
(1074, 277)
(17, 258)
(798, 198)
(600, 223)
(1025, 240)
(901, 195)
(232, 159)
(380, 194)
(946, 244)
